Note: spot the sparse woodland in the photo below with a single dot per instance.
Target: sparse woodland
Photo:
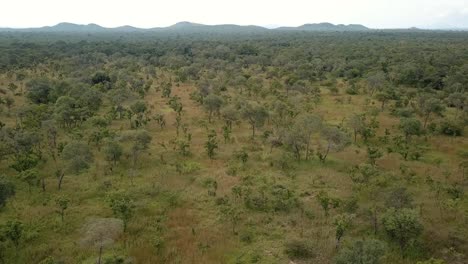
(285, 147)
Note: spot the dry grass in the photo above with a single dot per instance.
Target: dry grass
(195, 232)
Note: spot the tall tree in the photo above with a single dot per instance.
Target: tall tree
(256, 115)
(402, 226)
(429, 105)
(336, 140)
(212, 103)
(77, 157)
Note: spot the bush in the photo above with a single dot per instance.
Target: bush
(399, 198)
(246, 237)
(189, 167)
(361, 252)
(300, 249)
(7, 189)
(451, 128)
(431, 261)
(232, 169)
(403, 112)
(352, 90)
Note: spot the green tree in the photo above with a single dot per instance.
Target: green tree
(429, 105)
(112, 151)
(9, 102)
(342, 223)
(402, 226)
(77, 157)
(242, 155)
(66, 112)
(383, 97)
(39, 90)
(226, 133)
(457, 100)
(307, 125)
(100, 233)
(211, 144)
(399, 198)
(256, 115)
(295, 140)
(166, 89)
(231, 214)
(357, 124)
(327, 202)
(230, 115)
(13, 230)
(140, 140)
(31, 177)
(373, 154)
(176, 104)
(139, 109)
(404, 148)
(410, 127)
(376, 82)
(7, 190)
(159, 118)
(212, 103)
(122, 207)
(100, 78)
(62, 203)
(140, 144)
(336, 140)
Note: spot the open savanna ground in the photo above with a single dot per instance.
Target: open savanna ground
(296, 148)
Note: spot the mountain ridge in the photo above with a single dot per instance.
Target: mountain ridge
(185, 26)
(327, 27)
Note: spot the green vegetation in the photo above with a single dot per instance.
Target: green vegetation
(257, 146)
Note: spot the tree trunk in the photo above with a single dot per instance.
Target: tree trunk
(338, 240)
(324, 157)
(100, 254)
(43, 184)
(375, 221)
(307, 154)
(60, 180)
(426, 119)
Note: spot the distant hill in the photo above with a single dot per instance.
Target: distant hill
(61, 27)
(189, 27)
(186, 27)
(326, 27)
(70, 27)
(194, 27)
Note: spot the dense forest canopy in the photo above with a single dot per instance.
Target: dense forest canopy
(233, 147)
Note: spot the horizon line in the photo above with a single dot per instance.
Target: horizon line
(267, 26)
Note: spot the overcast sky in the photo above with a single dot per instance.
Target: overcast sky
(152, 13)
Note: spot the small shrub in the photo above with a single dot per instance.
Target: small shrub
(299, 249)
(189, 167)
(352, 90)
(450, 128)
(247, 237)
(232, 169)
(403, 112)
